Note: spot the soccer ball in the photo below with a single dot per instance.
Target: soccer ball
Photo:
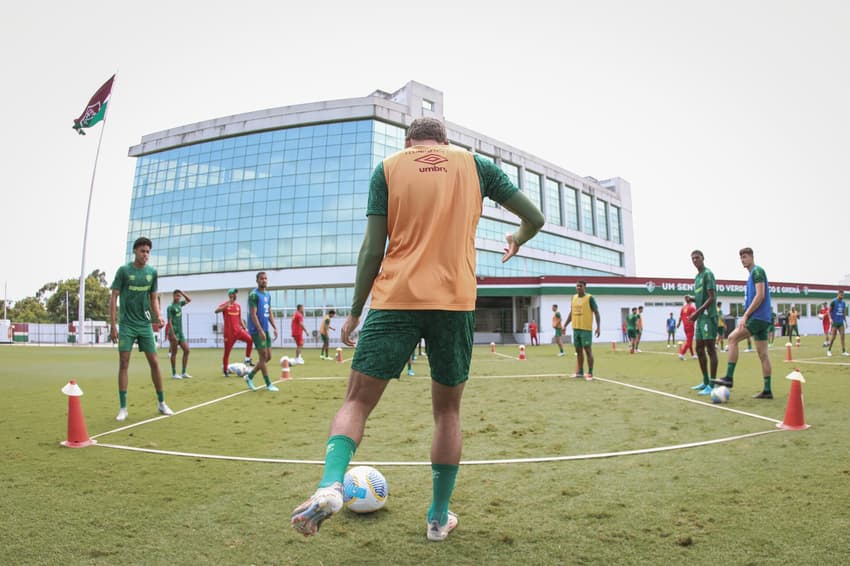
(720, 394)
(238, 369)
(364, 489)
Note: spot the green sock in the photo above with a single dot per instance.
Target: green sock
(251, 374)
(122, 399)
(767, 384)
(705, 380)
(173, 369)
(338, 453)
(562, 350)
(184, 369)
(443, 478)
(730, 369)
(160, 396)
(590, 370)
(267, 380)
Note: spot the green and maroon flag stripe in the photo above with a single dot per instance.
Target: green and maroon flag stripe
(95, 109)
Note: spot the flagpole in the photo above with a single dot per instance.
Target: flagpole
(81, 310)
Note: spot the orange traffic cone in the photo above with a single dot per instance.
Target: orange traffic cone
(614, 345)
(492, 347)
(78, 436)
(339, 355)
(788, 357)
(284, 368)
(521, 352)
(798, 341)
(794, 419)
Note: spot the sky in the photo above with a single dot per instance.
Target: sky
(730, 119)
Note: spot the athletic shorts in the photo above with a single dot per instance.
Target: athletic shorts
(389, 336)
(261, 344)
(758, 329)
(180, 337)
(705, 329)
(129, 334)
(582, 338)
(632, 333)
(558, 332)
(837, 325)
(325, 340)
(299, 340)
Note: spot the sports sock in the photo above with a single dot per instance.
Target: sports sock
(590, 370)
(562, 350)
(705, 377)
(338, 453)
(122, 399)
(730, 369)
(767, 384)
(173, 369)
(184, 369)
(267, 380)
(160, 396)
(443, 478)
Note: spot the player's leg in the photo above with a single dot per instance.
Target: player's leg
(185, 347)
(172, 355)
(738, 335)
(588, 350)
(147, 344)
(229, 342)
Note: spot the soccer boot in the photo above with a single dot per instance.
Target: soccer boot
(437, 533)
(309, 516)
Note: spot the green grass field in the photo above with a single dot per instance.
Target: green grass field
(772, 498)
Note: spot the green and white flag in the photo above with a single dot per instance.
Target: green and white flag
(95, 109)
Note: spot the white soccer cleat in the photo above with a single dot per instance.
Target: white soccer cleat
(437, 533)
(309, 516)
(164, 409)
(122, 414)
(176, 376)
(186, 376)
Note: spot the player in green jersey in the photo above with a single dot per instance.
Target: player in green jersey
(174, 332)
(705, 322)
(135, 287)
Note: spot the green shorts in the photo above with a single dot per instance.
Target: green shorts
(180, 337)
(558, 332)
(632, 333)
(705, 328)
(582, 338)
(837, 325)
(758, 329)
(261, 344)
(129, 334)
(325, 340)
(389, 336)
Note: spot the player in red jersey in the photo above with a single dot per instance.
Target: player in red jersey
(234, 329)
(684, 320)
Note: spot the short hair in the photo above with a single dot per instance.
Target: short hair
(257, 277)
(698, 252)
(331, 311)
(298, 306)
(175, 291)
(554, 306)
(582, 283)
(748, 251)
(719, 303)
(426, 129)
(142, 241)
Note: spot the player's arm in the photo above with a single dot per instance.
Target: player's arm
(708, 302)
(186, 297)
(272, 322)
(595, 308)
(368, 266)
(220, 308)
(113, 315)
(157, 316)
(531, 221)
(569, 318)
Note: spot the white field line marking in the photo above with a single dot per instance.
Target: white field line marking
(464, 462)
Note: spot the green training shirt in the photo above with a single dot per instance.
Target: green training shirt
(135, 287)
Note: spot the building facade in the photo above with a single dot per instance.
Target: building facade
(284, 191)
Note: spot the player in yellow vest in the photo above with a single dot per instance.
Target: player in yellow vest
(582, 312)
(418, 261)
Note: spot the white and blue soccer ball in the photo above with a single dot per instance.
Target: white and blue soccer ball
(364, 489)
(238, 369)
(720, 394)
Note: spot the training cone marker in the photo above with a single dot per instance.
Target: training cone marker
(284, 368)
(798, 341)
(521, 352)
(794, 419)
(788, 357)
(339, 355)
(78, 436)
(492, 347)
(614, 345)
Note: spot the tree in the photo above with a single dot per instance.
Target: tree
(97, 298)
(28, 309)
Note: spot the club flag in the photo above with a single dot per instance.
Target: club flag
(95, 109)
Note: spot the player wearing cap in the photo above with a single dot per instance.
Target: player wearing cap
(234, 329)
